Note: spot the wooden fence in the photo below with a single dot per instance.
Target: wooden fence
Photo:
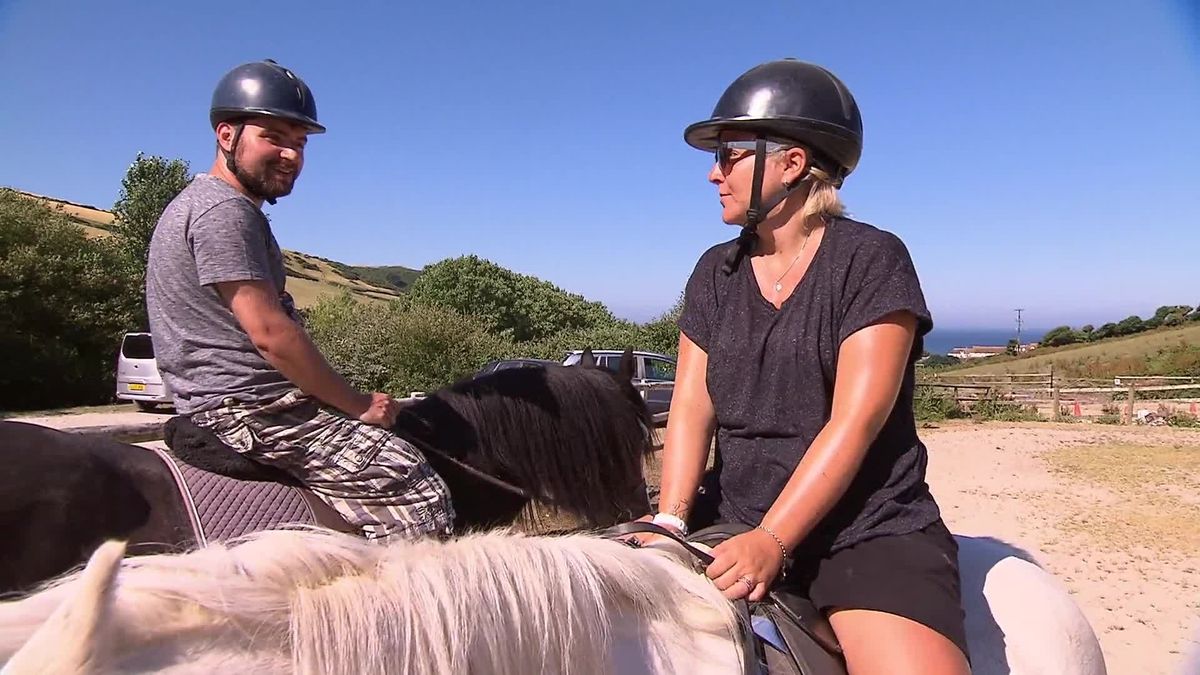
(1074, 397)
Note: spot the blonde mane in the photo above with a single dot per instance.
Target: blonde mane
(317, 601)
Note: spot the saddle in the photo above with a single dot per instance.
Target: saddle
(228, 495)
(783, 634)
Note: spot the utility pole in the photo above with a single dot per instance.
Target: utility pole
(1018, 311)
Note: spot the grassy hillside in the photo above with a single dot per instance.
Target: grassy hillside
(310, 278)
(1113, 356)
(95, 222)
(392, 276)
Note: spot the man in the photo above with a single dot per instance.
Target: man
(227, 337)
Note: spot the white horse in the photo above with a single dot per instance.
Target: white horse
(313, 601)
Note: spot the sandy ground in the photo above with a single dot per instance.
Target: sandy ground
(1113, 512)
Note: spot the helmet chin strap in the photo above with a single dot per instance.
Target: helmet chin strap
(231, 164)
(758, 211)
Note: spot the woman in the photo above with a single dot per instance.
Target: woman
(797, 347)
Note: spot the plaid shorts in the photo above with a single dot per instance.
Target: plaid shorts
(373, 478)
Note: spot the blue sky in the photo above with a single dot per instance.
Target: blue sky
(1031, 154)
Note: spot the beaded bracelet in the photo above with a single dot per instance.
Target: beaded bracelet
(782, 548)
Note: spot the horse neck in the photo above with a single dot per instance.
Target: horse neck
(331, 602)
(570, 436)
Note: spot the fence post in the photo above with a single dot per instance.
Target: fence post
(1056, 416)
(1132, 396)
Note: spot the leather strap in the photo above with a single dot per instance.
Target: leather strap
(753, 656)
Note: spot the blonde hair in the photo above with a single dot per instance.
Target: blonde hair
(823, 199)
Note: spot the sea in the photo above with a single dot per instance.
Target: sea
(942, 340)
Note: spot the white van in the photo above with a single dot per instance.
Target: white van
(138, 378)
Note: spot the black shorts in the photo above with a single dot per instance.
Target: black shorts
(911, 575)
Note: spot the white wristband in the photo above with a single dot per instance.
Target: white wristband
(673, 521)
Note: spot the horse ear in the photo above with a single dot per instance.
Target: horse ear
(77, 637)
(586, 359)
(628, 368)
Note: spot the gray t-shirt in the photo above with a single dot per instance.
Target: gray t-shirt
(210, 233)
(771, 374)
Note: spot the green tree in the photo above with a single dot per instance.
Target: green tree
(517, 306)
(62, 308)
(662, 333)
(1130, 325)
(1061, 335)
(400, 347)
(1174, 314)
(149, 185)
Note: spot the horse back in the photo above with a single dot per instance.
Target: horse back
(63, 494)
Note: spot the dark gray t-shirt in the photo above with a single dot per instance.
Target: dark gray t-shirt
(771, 373)
(210, 233)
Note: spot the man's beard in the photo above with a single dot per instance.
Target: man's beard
(264, 181)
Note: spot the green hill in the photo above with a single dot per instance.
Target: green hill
(1163, 351)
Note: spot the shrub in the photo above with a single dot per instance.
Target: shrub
(65, 301)
(931, 405)
(400, 348)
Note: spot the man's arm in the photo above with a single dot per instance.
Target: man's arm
(285, 345)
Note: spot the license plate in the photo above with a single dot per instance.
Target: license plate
(137, 387)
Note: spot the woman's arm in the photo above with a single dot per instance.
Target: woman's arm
(871, 365)
(870, 370)
(690, 425)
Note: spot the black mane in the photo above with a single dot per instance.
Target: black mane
(573, 436)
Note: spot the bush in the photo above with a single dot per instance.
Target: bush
(932, 405)
(1178, 418)
(65, 301)
(517, 306)
(1110, 413)
(1000, 410)
(400, 348)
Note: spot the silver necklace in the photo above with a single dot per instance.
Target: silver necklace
(779, 281)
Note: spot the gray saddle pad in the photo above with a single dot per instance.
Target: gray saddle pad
(222, 508)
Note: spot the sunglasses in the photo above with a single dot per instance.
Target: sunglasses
(726, 158)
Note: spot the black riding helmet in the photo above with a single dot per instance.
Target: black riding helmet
(264, 88)
(261, 89)
(795, 103)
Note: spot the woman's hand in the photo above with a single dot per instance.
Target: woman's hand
(746, 565)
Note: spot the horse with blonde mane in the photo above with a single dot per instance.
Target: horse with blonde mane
(499, 602)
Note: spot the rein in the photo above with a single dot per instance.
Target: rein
(774, 602)
(749, 640)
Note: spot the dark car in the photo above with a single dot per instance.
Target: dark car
(504, 364)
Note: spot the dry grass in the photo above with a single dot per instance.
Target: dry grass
(328, 282)
(1146, 497)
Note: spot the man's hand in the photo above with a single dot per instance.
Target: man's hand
(381, 411)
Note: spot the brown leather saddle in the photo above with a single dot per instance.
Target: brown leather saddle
(783, 634)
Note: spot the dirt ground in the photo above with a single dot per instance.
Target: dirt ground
(1113, 512)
